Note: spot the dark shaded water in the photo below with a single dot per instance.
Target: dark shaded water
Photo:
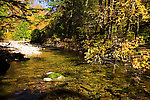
(24, 80)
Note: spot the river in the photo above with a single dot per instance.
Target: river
(23, 80)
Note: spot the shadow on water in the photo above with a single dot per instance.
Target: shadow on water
(64, 94)
(62, 51)
(38, 59)
(78, 59)
(4, 66)
(57, 94)
(7, 57)
(54, 49)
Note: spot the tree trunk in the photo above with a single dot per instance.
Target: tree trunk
(137, 28)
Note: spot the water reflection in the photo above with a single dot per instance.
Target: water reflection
(90, 82)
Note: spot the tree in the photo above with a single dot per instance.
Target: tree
(117, 25)
(14, 11)
(22, 31)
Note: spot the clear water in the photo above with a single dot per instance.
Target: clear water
(24, 80)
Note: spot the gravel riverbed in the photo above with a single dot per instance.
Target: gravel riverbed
(22, 47)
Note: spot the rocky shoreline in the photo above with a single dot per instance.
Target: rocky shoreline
(22, 47)
(15, 51)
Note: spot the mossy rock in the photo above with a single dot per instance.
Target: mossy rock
(51, 76)
(54, 75)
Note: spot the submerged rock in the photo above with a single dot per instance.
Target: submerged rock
(47, 79)
(52, 76)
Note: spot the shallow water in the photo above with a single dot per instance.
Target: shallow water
(24, 79)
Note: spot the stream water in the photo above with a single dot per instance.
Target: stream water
(23, 80)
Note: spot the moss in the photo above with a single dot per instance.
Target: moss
(54, 75)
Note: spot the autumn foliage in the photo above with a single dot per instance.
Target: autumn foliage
(109, 30)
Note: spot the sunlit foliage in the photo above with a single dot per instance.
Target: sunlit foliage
(22, 31)
(111, 52)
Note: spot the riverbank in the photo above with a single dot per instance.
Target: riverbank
(66, 44)
(15, 51)
(22, 47)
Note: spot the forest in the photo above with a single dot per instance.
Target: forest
(105, 30)
(115, 32)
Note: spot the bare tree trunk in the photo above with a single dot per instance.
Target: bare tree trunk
(127, 27)
(137, 28)
(102, 12)
(109, 19)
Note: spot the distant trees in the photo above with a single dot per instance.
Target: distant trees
(11, 12)
(18, 19)
(82, 19)
(98, 25)
(22, 31)
(98, 18)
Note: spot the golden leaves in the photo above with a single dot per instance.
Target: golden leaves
(126, 53)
